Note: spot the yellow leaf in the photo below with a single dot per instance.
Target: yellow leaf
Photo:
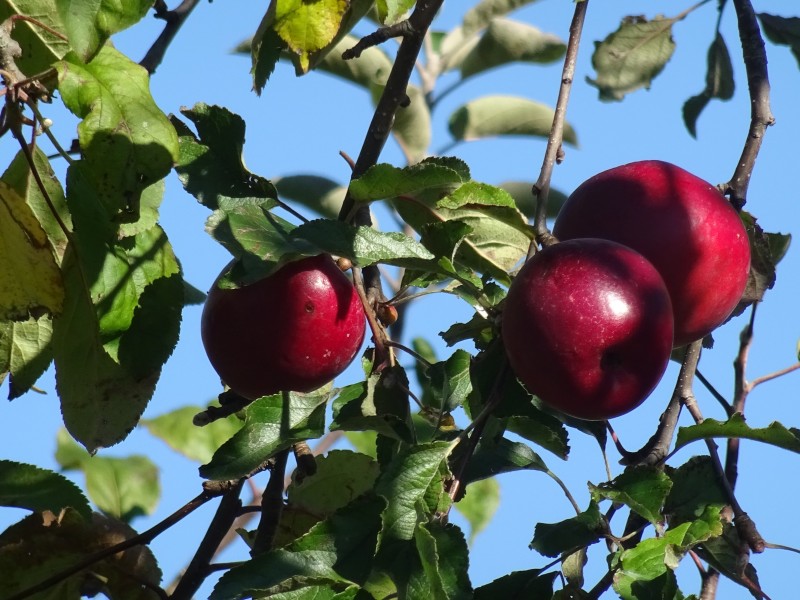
(309, 26)
(30, 280)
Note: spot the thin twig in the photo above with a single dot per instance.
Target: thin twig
(739, 395)
(554, 152)
(723, 402)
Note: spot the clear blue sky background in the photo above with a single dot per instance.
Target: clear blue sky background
(299, 125)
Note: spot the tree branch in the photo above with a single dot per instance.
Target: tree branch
(657, 447)
(554, 152)
(174, 20)
(755, 63)
(198, 568)
(271, 505)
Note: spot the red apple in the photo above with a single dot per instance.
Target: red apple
(681, 224)
(294, 330)
(587, 327)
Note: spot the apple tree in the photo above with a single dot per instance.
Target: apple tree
(91, 286)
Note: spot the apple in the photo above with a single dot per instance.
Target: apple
(587, 327)
(680, 223)
(295, 330)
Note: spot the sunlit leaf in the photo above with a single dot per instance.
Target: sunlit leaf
(643, 489)
(42, 47)
(272, 423)
(391, 11)
(25, 352)
(36, 489)
(89, 24)
(632, 56)
(405, 482)
(736, 427)
(384, 181)
(127, 143)
(30, 281)
(490, 116)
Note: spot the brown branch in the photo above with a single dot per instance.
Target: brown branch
(174, 20)
(755, 63)
(271, 506)
(198, 568)
(554, 153)
(657, 447)
(739, 396)
(708, 587)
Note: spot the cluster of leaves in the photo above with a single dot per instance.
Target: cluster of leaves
(89, 282)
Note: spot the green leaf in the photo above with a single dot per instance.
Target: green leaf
(782, 30)
(271, 424)
(392, 11)
(736, 427)
(694, 488)
(210, 164)
(90, 24)
(30, 281)
(337, 551)
(182, 435)
(341, 477)
(126, 142)
(482, 14)
(42, 48)
(493, 457)
(450, 381)
(320, 194)
(28, 486)
(506, 41)
(518, 584)
(25, 353)
(100, 370)
(123, 488)
(766, 250)
(643, 489)
(266, 48)
(478, 329)
(719, 83)
(632, 56)
(20, 178)
(479, 505)
(441, 572)
(384, 181)
(378, 404)
(260, 240)
(552, 539)
(647, 569)
(727, 555)
(413, 474)
(490, 116)
(363, 245)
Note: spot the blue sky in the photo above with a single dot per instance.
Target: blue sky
(299, 125)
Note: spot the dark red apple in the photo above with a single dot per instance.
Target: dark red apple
(587, 327)
(681, 224)
(294, 330)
